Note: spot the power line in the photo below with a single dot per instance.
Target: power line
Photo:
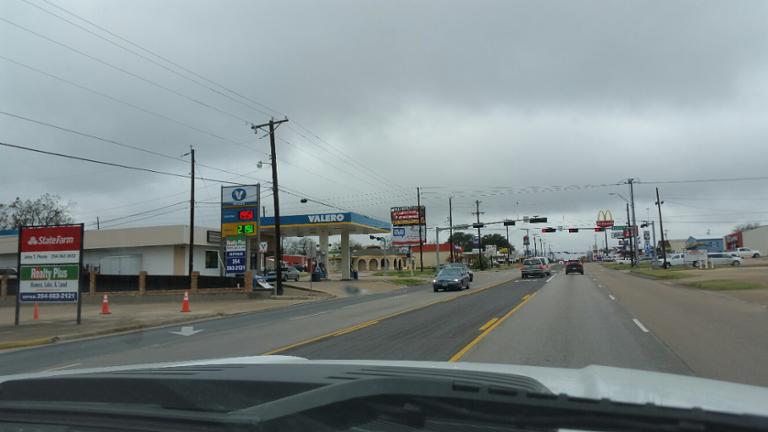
(711, 180)
(114, 164)
(122, 102)
(125, 71)
(174, 72)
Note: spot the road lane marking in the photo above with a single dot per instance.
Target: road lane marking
(61, 367)
(611, 297)
(355, 327)
(456, 357)
(639, 324)
(488, 324)
(381, 318)
(308, 316)
(551, 277)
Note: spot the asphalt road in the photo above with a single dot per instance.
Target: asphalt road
(433, 333)
(575, 322)
(246, 335)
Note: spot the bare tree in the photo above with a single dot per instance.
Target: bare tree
(746, 226)
(46, 210)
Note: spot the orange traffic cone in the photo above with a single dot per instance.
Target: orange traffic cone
(185, 303)
(105, 305)
(36, 314)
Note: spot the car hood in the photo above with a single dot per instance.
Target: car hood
(595, 382)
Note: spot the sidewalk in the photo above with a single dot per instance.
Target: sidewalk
(57, 321)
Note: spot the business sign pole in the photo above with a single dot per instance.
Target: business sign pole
(49, 263)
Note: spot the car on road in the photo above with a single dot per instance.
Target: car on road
(574, 266)
(675, 259)
(450, 278)
(745, 252)
(464, 268)
(289, 273)
(534, 267)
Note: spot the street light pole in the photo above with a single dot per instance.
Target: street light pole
(659, 202)
(631, 182)
(450, 225)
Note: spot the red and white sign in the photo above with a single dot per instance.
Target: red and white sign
(44, 245)
(63, 238)
(401, 216)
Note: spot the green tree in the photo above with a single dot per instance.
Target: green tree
(46, 210)
(495, 239)
(462, 239)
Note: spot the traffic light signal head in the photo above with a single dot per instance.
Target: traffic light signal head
(573, 230)
(599, 229)
(548, 230)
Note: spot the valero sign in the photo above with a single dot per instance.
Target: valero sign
(604, 219)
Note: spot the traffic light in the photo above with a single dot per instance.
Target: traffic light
(478, 225)
(509, 223)
(599, 229)
(537, 220)
(573, 230)
(548, 230)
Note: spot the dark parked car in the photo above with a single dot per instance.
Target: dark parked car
(574, 266)
(535, 267)
(451, 278)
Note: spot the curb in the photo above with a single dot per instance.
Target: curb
(28, 343)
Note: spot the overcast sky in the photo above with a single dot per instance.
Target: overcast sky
(535, 107)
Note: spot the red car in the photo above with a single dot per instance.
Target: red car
(574, 266)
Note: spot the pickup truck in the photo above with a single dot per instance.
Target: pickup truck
(745, 252)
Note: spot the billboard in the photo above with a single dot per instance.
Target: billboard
(50, 260)
(405, 225)
(407, 235)
(403, 216)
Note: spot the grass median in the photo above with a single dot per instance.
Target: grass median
(407, 281)
(427, 273)
(726, 285)
(645, 269)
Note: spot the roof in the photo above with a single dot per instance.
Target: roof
(164, 235)
(332, 223)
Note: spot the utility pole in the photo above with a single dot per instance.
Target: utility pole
(631, 249)
(479, 238)
(276, 200)
(258, 229)
(527, 246)
(631, 182)
(509, 246)
(535, 247)
(421, 239)
(659, 202)
(98, 227)
(450, 225)
(191, 215)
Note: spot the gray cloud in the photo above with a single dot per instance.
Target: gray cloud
(464, 96)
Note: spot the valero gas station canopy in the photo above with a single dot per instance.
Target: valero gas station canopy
(325, 224)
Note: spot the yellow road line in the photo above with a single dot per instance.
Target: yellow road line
(456, 357)
(358, 326)
(355, 327)
(488, 324)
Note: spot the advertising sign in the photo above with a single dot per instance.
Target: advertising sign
(239, 214)
(403, 216)
(407, 235)
(234, 255)
(604, 219)
(239, 196)
(617, 234)
(49, 259)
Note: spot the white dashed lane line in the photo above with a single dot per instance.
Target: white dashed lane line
(639, 324)
(611, 297)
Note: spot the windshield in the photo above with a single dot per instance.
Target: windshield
(573, 185)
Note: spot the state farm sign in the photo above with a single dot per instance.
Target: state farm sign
(60, 238)
(49, 259)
